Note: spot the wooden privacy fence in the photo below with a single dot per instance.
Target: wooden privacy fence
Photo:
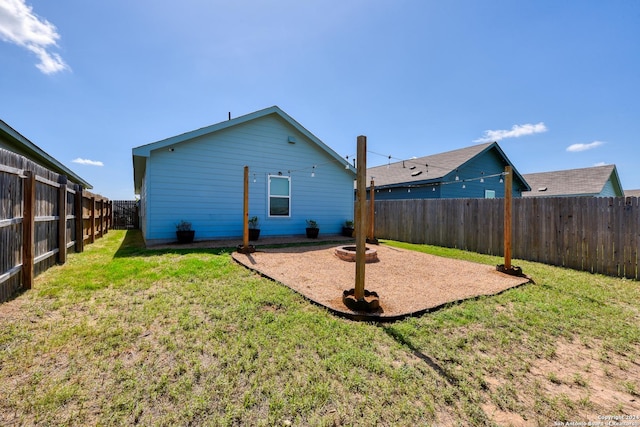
(596, 234)
(42, 217)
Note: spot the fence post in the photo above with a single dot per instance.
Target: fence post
(28, 229)
(62, 220)
(79, 214)
(92, 221)
(100, 202)
(109, 216)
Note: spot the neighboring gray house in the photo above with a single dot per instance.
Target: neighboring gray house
(632, 193)
(12, 141)
(198, 177)
(470, 172)
(597, 181)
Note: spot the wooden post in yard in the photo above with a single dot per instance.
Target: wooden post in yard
(62, 220)
(361, 217)
(28, 229)
(245, 218)
(372, 215)
(508, 202)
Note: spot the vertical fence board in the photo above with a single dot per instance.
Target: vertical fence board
(618, 238)
(634, 238)
(591, 223)
(608, 266)
(62, 222)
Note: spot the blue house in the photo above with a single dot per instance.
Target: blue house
(198, 177)
(596, 181)
(471, 172)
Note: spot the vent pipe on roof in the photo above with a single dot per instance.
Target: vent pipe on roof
(229, 115)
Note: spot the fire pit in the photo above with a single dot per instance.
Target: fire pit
(348, 253)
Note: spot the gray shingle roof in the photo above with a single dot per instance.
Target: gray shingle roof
(570, 182)
(632, 193)
(433, 167)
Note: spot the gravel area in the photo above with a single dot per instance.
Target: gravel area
(407, 282)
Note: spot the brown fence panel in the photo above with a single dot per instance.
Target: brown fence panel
(596, 234)
(38, 221)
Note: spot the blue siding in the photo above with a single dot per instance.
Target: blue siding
(201, 181)
(608, 190)
(400, 193)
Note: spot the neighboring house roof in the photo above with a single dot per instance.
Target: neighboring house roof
(632, 193)
(14, 141)
(438, 166)
(141, 153)
(573, 182)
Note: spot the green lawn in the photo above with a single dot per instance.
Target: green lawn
(122, 335)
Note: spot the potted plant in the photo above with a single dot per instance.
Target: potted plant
(184, 233)
(347, 229)
(312, 229)
(254, 231)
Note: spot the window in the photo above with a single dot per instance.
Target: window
(279, 196)
(489, 194)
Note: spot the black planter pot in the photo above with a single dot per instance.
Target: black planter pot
(312, 233)
(185, 236)
(348, 231)
(254, 233)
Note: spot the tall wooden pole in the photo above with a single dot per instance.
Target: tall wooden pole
(361, 217)
(371, 212)
(508, 231)
(245, 232)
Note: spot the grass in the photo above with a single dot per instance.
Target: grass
(124, 335)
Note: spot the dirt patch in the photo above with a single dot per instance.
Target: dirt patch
(579, 373)
(585, 386)
(408, 282)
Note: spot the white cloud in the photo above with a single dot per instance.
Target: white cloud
(19, 25)
(516, 131)
(88, 162)
(574, 148)
(601, 164)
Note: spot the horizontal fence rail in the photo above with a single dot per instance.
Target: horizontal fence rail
(596, 234)
(42, 218)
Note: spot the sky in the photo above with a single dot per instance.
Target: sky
(555, 83)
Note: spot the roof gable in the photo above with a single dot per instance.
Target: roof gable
(144, 151)
(573, 182)
(434, 168)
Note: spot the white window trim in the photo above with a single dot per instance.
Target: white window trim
(269, 196)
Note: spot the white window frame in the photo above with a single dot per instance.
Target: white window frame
(489, 194)
(269, 196)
